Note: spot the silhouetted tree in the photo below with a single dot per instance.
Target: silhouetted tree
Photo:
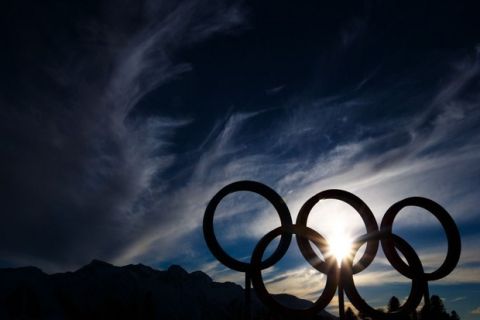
(349, 315)
(436, 310)
(393, 304)
(454, 315)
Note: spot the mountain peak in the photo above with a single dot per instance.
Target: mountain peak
(96, 264)
(201, 277)
(99, 263)
(176, 270)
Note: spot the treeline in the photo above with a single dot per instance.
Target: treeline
(434, 311)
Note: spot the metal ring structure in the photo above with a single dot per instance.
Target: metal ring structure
(451, 230)
(416, 291)
(364, 212)
(341, 278)
(257, 280)
(267, 193)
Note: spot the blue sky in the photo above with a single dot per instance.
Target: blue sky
(120, 122)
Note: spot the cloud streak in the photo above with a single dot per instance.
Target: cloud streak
(80, 170)
(413, 155)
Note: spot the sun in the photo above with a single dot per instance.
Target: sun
(340, 244)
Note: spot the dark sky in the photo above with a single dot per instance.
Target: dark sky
(119, 120)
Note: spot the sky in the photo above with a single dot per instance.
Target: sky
(119, 121)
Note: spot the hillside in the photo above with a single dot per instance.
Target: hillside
(102, 291)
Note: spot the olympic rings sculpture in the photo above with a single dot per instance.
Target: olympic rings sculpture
(341, 278)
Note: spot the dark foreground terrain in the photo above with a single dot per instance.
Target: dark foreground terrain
(102, 291)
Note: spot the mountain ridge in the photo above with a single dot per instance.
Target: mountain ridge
(100, 290)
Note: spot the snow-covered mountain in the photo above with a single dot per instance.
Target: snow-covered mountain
(102, 291)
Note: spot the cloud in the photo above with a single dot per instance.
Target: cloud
(382, 175)
(222, 274)
(216, 166)
(430, 151)
(381, 169)
(80, 169)
(475, 311)
(275, 90)
(303, 282)
(458, 299)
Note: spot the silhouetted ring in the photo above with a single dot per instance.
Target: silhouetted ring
(366, 215)
(267, 193)
(416, 291)
(256, 271)
(453, 237)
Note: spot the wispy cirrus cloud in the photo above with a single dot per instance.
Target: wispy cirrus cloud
(89, 166)
(417, 154)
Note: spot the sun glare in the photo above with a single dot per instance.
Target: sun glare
(340, 244)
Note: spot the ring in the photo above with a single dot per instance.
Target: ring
(343, 276)
(416, 291)
(357, 204)
(322, 245)
(267, 193)
(451, 230)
